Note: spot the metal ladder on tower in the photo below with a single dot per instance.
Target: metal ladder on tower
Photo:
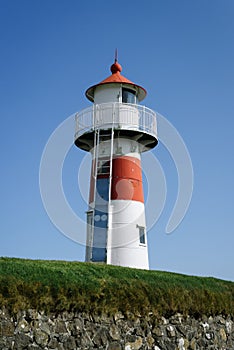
(102, 173)
(103, 164)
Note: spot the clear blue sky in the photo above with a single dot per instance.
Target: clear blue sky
(182, 52)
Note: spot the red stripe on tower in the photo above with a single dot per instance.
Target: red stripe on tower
(127, 179)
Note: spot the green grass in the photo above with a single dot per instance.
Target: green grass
(55, 286)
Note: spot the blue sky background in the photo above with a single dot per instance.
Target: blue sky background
(182, 52)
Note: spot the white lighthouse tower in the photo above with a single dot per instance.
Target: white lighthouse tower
(116, 130)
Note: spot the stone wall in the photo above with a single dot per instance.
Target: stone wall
(67, 331)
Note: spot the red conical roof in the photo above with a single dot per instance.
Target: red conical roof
(116, 77)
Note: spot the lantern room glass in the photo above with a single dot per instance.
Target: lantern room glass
(129, 96)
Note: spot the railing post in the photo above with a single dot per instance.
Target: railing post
(113, 113)
(93, 112)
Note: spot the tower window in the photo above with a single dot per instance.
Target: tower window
(142, 235)
(129, 96)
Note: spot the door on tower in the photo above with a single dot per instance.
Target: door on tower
(99, 250)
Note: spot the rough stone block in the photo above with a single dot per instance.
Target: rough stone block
(53, 343)
(134, 345)
(223, 334)
(114, 346)
(41, 338)
(114, 332)
(6, 328)
(171, 331)
(22, 341)
(60, 327)
(70, 343)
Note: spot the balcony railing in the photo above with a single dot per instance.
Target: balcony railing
(119, 115)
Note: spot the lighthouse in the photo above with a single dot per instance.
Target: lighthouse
(116, 130)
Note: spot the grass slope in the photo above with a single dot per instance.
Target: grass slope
(56, 286)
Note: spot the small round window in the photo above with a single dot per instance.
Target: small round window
(128, 96)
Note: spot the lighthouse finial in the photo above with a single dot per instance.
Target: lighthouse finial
(116, 67)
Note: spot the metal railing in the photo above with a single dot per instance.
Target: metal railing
(124, 116)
